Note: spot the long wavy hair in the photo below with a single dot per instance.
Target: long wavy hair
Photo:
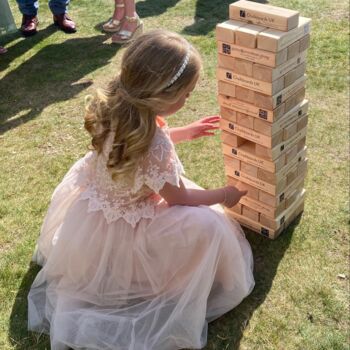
(129, 105)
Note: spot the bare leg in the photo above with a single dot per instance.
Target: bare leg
(128, 25)
(114, 24)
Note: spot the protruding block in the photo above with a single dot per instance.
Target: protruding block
(227, 62)
(245, 120)
(226, 31)
(264, 15)
(245, 95)
(275, 40)
(243, 67)
(247, 35)
(231, 139)
(271, 59)
(250, 213)
(252, 191)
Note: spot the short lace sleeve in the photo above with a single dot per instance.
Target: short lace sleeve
(160, 165)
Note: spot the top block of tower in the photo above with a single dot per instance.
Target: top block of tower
(265, 15)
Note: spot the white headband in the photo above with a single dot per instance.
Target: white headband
(181, 69)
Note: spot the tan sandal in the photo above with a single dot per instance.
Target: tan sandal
(125, 36)
(113, 25)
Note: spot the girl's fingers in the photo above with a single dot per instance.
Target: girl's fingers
(211, 119)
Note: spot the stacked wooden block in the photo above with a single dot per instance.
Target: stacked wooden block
(261, 92)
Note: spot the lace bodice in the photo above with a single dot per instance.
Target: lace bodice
(117, 199)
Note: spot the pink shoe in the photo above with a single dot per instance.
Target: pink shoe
(2, 50)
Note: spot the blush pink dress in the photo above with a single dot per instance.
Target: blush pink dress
(124, 271)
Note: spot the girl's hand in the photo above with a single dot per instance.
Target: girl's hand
(232, 196)
(202, 127)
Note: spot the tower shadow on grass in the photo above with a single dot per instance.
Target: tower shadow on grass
(227, 331)
(208, 14)
(52, 75)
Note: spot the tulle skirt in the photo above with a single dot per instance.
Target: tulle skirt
(153, 287)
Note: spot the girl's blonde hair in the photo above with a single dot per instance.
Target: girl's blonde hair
(129, 105)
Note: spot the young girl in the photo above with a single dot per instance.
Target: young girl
(134, 255)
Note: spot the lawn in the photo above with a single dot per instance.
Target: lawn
(302, 279)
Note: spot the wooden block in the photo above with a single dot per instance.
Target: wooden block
(292, 152)
(291, 199)
(294, 100)
(276, 201)
(294, 74)
(228, 114)
(293, 50)
(267, 58)
(245, 120)
(243, 67)
(256, 137)
(292, 175)
(290, 130)
(279, 221)
(272, 102)
(302, 168)
(302, 142)
(291, 116)
(246, 35)
(302, 122)
(231, 139)
(226, 61)
(237, 208)
(246, 153)
(249, 109)
(226, 31)
(252, 225)
(232, 162)
(284, 147)
(252, 191)
(257, 183)
(273, 178)
(262, 208)
(245, 95)
(249, 169)
(226, 89)
(272, 88)
(275, 40)
(304, 42)
(250, 213)
(296, 213)
(269, 74)
(265, 15)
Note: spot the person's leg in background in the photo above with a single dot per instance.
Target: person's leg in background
(29, 10)
(131, 27)
(114, 24)
(59, 9)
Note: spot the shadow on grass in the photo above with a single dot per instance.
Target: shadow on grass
(50, 76)
(208, 14)
(227, 331)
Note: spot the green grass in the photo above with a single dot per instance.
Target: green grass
(298, 302)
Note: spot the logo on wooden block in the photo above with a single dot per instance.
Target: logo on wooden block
(226, 49)
(281, 197)
(279, 100)
(234, 151)
(282, 220)
(282, 148)
(298, 60)
(264, 231)
(299, 159)
(262, 114)
(228, 75)
(237, 173)
(241, 13)
(300, 112)
(231, 126)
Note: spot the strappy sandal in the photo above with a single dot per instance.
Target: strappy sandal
(113, 25)
(125, 36)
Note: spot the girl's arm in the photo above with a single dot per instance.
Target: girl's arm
(229, 195)
(201, 127)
